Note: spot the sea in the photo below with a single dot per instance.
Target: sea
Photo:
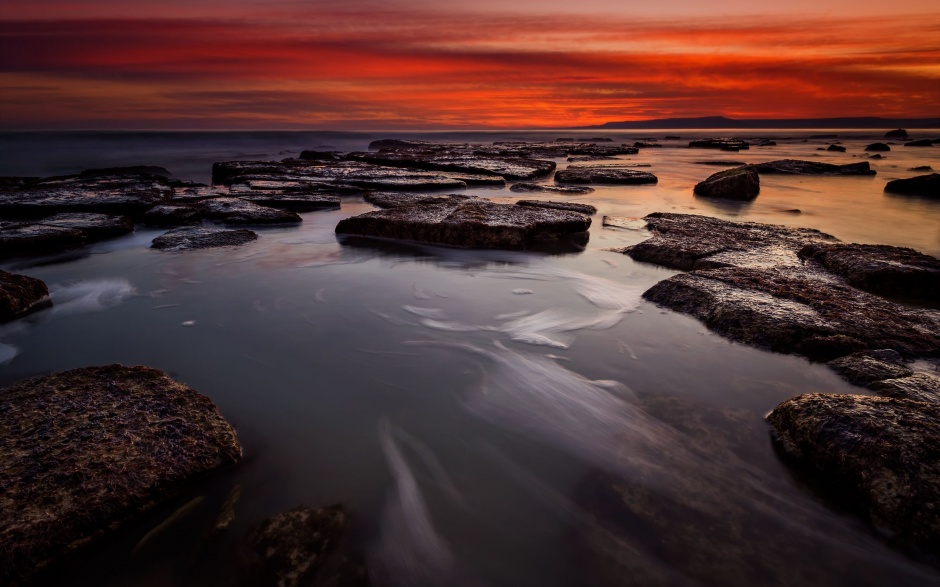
(461, 404)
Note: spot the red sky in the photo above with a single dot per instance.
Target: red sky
(367, 64)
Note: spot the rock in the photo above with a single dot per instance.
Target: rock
(459, 160)
(765, 143)
(95, 226)
(797, 167)
(922, 185)
(921, 168)
(574, 207)
(397, 199)
(880, 456)
(471, 224)
(60, 232)
(602, 150)
(645, 145)
(20, 295)
(836, 148)
(880, 269)
(564, 140)
(740, 183)
(238, 211)
(295, 202)
(89, 449)
(877, 147)
(133, 171)
(896, 134)
(590, 158)
(319, 155)
(172, 215)
(130, 195)
(301, 547)
(863, 369)
(600, 140)
(920, 143)
(722, 163)
(604, 175)
(876, 156)
(571, 190)
(625, 223)
(824, 136)
(722, 144)
(921, 387)
(188, 238)
(673, 138)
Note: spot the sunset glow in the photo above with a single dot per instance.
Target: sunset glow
(386, 65)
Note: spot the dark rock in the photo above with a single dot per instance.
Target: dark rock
(877, 147)
(590, 158)
(172, 215)
(309, 155)
(602, 150)
(824, 136)
(188, 238)
(881, 456)
(797, 167)
(111, 194)
(571, 190)
(644, 145)
(304, 174)
(473, 224)
(574, 207)
(398, 200)
(134, 170)
(672, 138)
(89, 449)
(20, 295)
(60, 232)
(722, 163)
(836, 148)
(296, 202)
(921, 168)
(863, 369)
(600, 140)
(458, 160)
(921, 387)
(922, 185)
(604, 175)
(920, 143)
(95, 226)
(896, 134)
(880, 269)
(765, 143)
(301, 547)
(722, 144)
(238, 211)
(876, 156)
(564, 140)
(740, 183)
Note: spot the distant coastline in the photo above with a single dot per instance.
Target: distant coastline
(721, 122)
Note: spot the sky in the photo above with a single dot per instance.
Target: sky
(423, 64)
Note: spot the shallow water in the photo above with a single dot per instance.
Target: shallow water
(455, 400)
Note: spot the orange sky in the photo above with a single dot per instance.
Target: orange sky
(365, 64)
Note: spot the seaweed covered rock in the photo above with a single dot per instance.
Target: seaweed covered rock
(571, 190)
(573, 206)
(301, 547)
(188, 238)
(89, 449)
(740, 183)
(880, 269)
(921, 185)
(797, 167)
(20, 294)
(604, 175)
(881, 456)
(124, 194)
(468, 224)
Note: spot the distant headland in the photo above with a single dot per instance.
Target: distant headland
(706, 122)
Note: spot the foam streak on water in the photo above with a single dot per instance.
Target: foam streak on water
(93, 295)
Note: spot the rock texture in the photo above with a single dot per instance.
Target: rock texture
(89, 449)
(398, 200)
(573, 206)
(740, 183)
(878, 147)
(60, 232)
(239, 211)
(921, 185)
(723, 144)
(880, 456)
(124, 194)
(571, 190)
(604, 175)
(797, 167)
(20, 295)
(184, 239)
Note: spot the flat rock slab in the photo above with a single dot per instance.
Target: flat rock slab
(571, 190)
(922, 387)
(880, 456)
(20, 295)
(604, 175)
(293, 201)
(798, 167)
(724, 144)
(60, 232)
(880, 269)
(864, 369)
(188, 238)
(118, 194)
(573, 206)
(173, 215)
(89, 449)
(239, 211)
(461, 160)
(398, 199)
(301, 547)
(740, 183)
(474, 224)
(721, 163)
(922, 185)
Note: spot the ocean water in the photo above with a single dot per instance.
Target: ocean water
(457, 402)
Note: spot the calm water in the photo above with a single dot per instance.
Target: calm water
(456, 400)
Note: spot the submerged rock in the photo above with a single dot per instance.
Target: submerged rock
(20, 295)
(573, 190)
(880, 456)
(468, 224)
(922, 185)
(89, 449)
(920, 143)
(131, 195)
(878, 147)
(573, 206)
(880, 269)
(184, 239)
(239, 211)
(723, 144)
(797, 167)
(740, 183)
(604, 175)
(301, 547)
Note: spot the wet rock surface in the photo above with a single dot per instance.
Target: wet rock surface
(301, 547)
(127, 194)
(723, 144)
(398, 200)
(573, 206)
(20, 295)
(880, 456)
(461, 160)
(172, 215)
(922, 387)
(89, 449)
(922, 185)
(722, 163)
(604, 175)
(797, 167)
(836, 148)
(878, 147)
(239, 211)
(864, 369)
(740, 183)
(60, 232)
(880, 269)
(572, 190)
(468, 224)
(184, 239)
